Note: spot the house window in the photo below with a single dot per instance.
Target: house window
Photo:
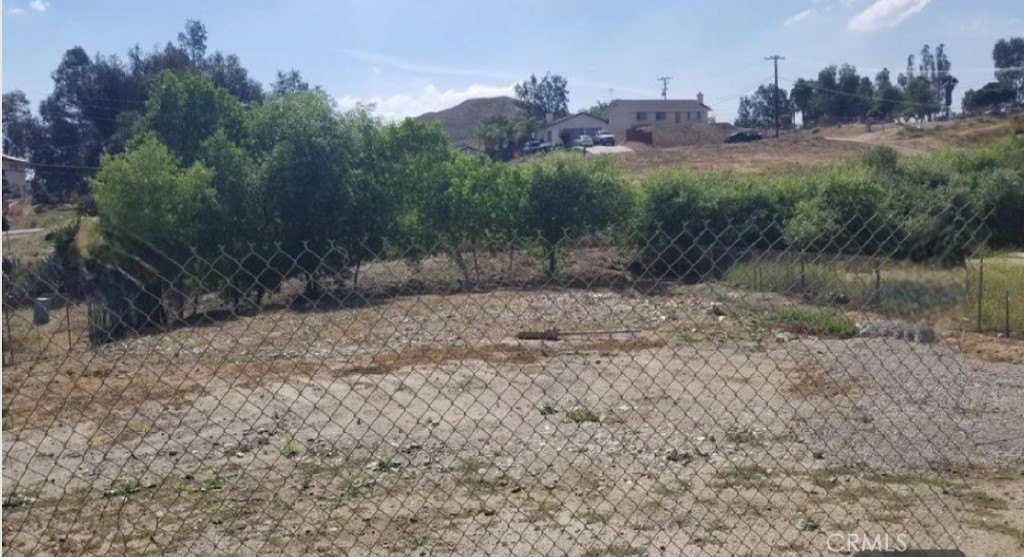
(678, 117)
(660, 116)
(641, 116)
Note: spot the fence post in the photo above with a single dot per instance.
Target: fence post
(878, 282)
(67, 315)
(10, 347)
(1007, 314)
(981, 286)
(803, 275)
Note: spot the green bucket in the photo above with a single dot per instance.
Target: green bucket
(41, 311)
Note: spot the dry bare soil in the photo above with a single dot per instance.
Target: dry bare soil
(819, 147)
(679, 423)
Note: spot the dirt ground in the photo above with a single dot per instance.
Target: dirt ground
(788, 153)
(676, 424)
(818, 147)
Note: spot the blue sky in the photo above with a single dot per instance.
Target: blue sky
(411, 56)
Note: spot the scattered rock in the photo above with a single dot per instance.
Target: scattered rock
(922, 334)
(676, 456)
(718, 310)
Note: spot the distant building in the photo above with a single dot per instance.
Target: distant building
(624, 115)
(15, 176)
(570, 128)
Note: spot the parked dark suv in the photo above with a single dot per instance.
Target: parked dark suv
(743, 137)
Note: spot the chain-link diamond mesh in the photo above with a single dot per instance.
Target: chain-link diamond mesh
(704, 390)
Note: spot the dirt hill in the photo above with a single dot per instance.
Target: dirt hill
(461, 120)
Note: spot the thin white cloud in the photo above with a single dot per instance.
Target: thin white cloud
(885, 13)
(797, 18)
(39, 5)
(428, 99)
(383, 60)
(15, 11)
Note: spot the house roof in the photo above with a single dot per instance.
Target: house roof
(570, 117)
(15, 159)
(660, 104)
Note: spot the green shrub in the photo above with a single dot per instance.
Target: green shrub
(685, 219)
(570, 195)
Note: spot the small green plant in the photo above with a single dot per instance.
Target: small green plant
(386, 465)
(807, 523)
(581, 415)
(126, 487)
(359, 487)
(741, 436)
(418, 540)
(593, 517)
(548, 409)
(741, 474)
(290, 448)
(6, 418)
(616, 550)
(18, 498)
(812, 321)
(213, 482)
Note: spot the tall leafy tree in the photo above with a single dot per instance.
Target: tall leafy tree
(991, 96)
(1008, 55)
(21, 128)
(227, 71)
(569, 195)
(148, 203)
(887, 96)
(547, 95)
(192, 41)
(287, 82)
(758, 110)
(184, 111)
(801, 95)
(306, 166)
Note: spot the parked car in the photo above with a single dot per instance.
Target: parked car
(743, 137)
(536, 146)
(584, 141)
(604, 138)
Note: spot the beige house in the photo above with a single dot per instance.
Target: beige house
(15, 174)
(570, 127)
(624, 115)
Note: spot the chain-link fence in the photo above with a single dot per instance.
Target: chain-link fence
(706, 391)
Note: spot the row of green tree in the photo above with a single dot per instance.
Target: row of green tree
(923, 91)
(281, 183)
(290, 187)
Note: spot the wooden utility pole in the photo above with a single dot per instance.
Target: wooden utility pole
(664, 86)
(775, 94)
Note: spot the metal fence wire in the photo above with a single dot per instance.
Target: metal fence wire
(697, 390)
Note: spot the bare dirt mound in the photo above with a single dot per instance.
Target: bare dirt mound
(461, 121)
